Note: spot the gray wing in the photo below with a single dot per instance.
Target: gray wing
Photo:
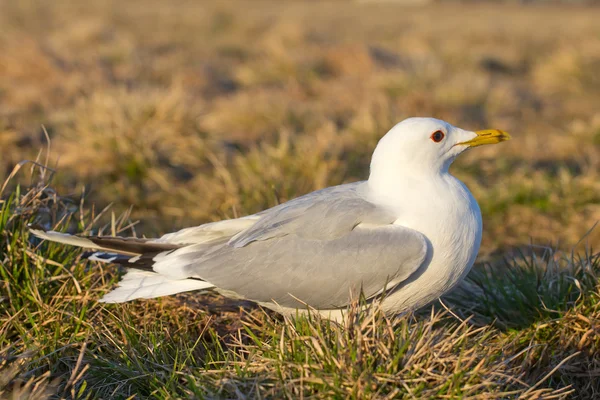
(322, 215)
(320, 249)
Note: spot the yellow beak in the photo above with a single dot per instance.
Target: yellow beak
(487, 136)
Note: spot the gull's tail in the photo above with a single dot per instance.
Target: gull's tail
(138, 255)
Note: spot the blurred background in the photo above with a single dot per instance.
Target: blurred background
(197, 111)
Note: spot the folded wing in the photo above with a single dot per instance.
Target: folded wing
(321, 249)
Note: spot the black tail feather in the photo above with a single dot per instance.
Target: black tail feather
(131, 245)
(142, 262)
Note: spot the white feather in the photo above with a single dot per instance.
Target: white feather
(65, 238)
(147, 285)
(97, 257)
(173, 263)
(209, 232)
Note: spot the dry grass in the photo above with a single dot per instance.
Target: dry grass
(195, 99)
(192, 112)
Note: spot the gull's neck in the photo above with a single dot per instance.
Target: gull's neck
(395, 187)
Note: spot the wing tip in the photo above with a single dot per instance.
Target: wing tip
(39, 231)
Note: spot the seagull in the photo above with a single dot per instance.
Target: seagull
(407, 235)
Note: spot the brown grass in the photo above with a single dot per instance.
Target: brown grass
(141, 101)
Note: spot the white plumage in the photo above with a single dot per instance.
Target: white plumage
(147, 285)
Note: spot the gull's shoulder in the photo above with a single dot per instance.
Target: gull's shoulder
(355, 191)
(321, 215)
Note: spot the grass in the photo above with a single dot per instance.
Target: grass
(183, 113)
(524, 327)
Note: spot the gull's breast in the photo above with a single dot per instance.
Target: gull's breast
(450, 218)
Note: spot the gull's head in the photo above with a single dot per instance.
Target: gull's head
(421, 146)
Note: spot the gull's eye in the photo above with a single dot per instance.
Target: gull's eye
(437, 136)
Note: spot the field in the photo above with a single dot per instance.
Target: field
(142, 117)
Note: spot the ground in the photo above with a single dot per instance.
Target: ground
(179, 113)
